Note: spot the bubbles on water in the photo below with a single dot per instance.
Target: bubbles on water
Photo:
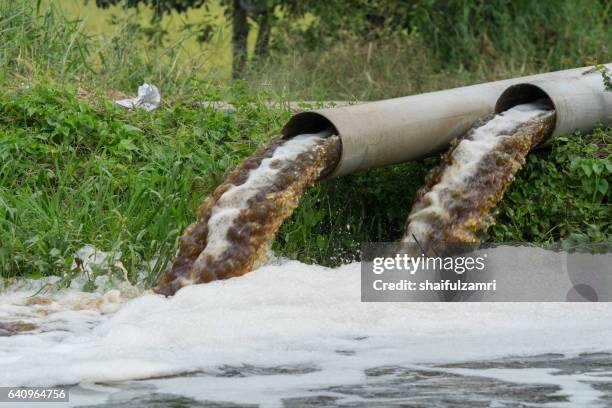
(47, 305)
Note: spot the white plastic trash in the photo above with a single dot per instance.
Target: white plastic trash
(148, 98)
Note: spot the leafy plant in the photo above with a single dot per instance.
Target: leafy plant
(562, 192)
(606, 76)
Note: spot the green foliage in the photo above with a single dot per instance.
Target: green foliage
(458, 34)
(462, 32)
(42, 42)
(562, 193)
(546, 33)
(605, 76)
(337, 215)
(371, 49)
(74, 173)
(159, 7)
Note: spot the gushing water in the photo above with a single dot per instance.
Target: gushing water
(455, 204)
(238, 221)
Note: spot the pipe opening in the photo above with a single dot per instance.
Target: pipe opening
(307, 122)
(521, 94)
(237, 222)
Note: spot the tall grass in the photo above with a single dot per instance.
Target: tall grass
(445, 43)
(42, 42)
(546, 34)
(442, 44)
(35, 39)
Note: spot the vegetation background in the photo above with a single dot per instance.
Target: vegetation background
(75, 169)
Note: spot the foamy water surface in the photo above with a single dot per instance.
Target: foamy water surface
(290, 332)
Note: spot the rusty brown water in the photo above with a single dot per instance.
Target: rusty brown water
(237, 222)
(15, 327)
(457, 201)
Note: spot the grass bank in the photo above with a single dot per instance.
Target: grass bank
(77, 169)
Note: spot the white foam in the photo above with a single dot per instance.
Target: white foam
(235, 199)
(283, 314)
(465, 160)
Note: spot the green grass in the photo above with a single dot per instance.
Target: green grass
(563, 193)
(74, 173)
(40, 44)
(75, 169)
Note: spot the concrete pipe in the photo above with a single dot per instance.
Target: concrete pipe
(396, 130)
(580, 102)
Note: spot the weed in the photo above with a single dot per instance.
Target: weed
(562, 192)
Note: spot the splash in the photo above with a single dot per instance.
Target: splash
(238, 221)
(48, 304)
(455, 205)
(25, 312)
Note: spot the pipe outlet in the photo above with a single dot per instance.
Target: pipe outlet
(581, 102)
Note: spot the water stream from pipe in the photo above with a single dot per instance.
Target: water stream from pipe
(456, 203)
(237, 223)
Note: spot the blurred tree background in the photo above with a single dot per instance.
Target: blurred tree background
(378, 37)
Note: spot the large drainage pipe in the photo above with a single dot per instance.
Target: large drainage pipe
(396, 130)
(579, 102)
